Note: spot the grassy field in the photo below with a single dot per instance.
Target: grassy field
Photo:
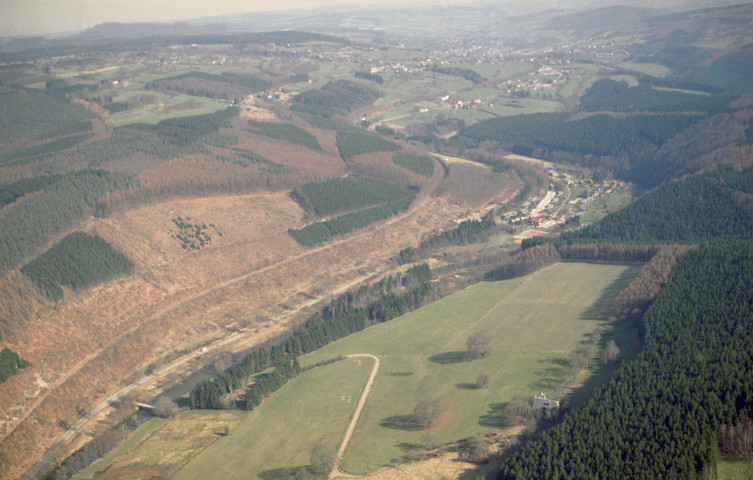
(535, 323)
(654, 69)
(734, 470)
(153, 114)
(534, 330)
(275, 439)
(605, 204)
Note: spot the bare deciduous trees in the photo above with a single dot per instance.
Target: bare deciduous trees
(479, 344)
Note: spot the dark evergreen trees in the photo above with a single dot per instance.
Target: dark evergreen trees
(349, 313)
(10, 364)
(77, 261)
(658, 416)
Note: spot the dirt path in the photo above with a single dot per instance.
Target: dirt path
(351, 428)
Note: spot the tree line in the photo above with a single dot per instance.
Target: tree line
(608, 94)
(350, 144)
(467, 231)
(334, 98)
(348, 313)
(346, 194)
(286, 132)
(691, 211)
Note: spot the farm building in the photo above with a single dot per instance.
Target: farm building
(549, 408)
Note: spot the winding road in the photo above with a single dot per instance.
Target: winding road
(357, 414)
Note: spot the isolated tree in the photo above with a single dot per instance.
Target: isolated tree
(428, 410)
(476, 448)
(610, 353)
(164, 407)
(429, 439)
(322, 458)
(479, 344)
(483, 379)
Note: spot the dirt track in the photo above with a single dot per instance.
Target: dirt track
(357, 414)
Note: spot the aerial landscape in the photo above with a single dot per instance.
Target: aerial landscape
(456, 240)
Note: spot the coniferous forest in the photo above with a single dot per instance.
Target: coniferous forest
(10, 363)
(659, 415)
(77, 261)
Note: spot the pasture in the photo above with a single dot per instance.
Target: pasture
(535, 323)
(275, 439)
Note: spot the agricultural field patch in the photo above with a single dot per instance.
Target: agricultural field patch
(734, 469)
(173, 107)
(653, 69)
(159, 446)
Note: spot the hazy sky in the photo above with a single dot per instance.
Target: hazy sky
(32, 17)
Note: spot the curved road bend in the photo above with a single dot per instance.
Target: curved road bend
(351, 428)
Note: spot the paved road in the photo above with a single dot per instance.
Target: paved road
(351, 428)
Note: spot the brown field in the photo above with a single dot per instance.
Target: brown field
(86, 345)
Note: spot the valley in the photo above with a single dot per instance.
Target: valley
(211, 234)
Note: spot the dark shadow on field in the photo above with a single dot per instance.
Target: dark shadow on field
(410, 447)
(407, 423)
(400, 374)
(549, 377)
(602, 308)
(560, 362)
(287, 473)
(448, 358)
(473, 474)
(467, 386)
(495, 417)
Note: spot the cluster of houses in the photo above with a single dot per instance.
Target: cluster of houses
(540, 210)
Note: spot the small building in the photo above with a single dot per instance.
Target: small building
(549, 408)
